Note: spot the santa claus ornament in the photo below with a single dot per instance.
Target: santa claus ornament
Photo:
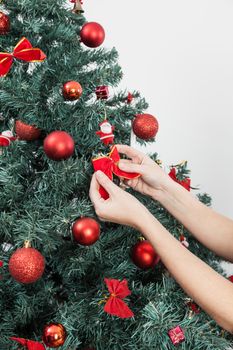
(106, 132)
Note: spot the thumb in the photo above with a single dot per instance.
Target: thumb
(131, 167)
(105, 182)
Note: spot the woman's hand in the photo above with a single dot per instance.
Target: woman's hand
(121, 207)
(152, 180)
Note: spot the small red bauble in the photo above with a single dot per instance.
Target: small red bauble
(144, 255)
(86, 231)
(145, 126)
(26, 265)
(4, 24)
(54, 335)
(72, 90)
(59, 145)
(92, 34)
(26, 132)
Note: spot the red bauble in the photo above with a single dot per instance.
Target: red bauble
(4, 24)
(54, 335)
(86, 231)
(92, 34)
(145, 126)
(26, 132)
(26, 265)
(72, 90)
(59, 145)
(144, 255)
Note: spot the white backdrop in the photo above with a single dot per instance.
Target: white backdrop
(179, 54)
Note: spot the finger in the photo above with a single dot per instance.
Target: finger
(131, 167)
(94, 191)
(106, 183)
(130, 152)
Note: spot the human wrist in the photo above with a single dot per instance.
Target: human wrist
(166, 188)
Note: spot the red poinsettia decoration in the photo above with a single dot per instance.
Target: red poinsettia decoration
(186, 183)
(115, 306)
(29, 344)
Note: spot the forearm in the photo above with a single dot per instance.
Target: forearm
(207, 288)
(212, 229)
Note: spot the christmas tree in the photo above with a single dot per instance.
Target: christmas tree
(59, 262)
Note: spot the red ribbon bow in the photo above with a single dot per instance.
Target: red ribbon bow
(109, 165)
(22, 51)
(29, 344)
(186, 183)
(115, 306)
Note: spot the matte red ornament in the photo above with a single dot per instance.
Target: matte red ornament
(92, 34)
(26, 132)
(145, 126)
(115, 306)
(144, 256)
(86, 231)
(4, 23)
(26, 265)
(176, 335)
(59, 145)
(72, 90)
(54, 335)
(186, 183)
(29, 344)
(102, 92)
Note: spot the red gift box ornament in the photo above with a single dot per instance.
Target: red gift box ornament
(176, 335)
(29, 344)
(22, 51)
(106, 132)
(5, 138)
(109, 165)
(115, 306)
(186, 183)
(102, 92)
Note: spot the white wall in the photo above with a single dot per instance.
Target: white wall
(179, 54)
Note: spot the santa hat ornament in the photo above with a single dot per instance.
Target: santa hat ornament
(5, 138)
(106, 132)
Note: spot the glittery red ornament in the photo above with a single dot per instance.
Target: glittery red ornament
(26, 265)
(145, 126)
(72, 90)
(54, 335)
(86, 231)
(144, 256)
(26, 132)
(59, 145)
(4, 24)
(92, 34)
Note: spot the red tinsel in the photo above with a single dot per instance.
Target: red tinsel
(109, 165)
(185, 183)
(22, 51)
(29, 344)
(115, 305)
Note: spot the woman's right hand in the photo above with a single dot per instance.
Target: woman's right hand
(153, 179)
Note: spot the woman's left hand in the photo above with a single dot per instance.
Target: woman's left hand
(121, 207)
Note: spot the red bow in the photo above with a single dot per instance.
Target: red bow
(185, 183)
(22, 51)
(109, 165)
(30, 344)
(115, 305)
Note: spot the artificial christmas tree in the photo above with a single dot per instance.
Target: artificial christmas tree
(44, 190)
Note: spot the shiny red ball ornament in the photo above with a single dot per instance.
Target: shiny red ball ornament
(54, 335)
(26, 132)
(145, 126)
(144, 256)
(26, 265)
(92, 34)
(72, 90)
(4, 23)
(86, 231)
(59, 145)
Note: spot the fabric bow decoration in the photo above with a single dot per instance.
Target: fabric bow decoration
(115, 306)
(186, 183)
(29, 344)
(22, 51)
(109, 165)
